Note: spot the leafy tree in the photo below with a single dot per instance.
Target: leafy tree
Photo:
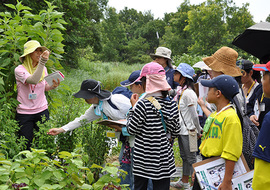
(19, 26)
(114, 37)
(268, 18)
(175, 37)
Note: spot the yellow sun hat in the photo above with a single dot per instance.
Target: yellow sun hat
(30, 47)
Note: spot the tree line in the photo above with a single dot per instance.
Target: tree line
(101, 33)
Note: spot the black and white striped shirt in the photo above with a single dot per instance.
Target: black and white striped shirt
(153, 154)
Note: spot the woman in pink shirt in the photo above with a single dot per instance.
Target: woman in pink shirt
(31, 88)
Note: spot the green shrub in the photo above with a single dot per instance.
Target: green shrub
(34, 170)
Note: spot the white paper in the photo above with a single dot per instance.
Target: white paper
(243, 182)
(213, 172)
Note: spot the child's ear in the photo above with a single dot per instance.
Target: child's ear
(218, 92)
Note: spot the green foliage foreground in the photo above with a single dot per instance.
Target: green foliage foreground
(34, 170)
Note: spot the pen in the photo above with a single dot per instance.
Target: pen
(209, 185)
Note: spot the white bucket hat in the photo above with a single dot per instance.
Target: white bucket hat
(30, 47)
(162, 52)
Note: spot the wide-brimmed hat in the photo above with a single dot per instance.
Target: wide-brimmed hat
(155, 78)
(186, 70)
(91, 88)
(30, 47)
(151, 69)
(162, 52)
(224, 60)
(225, 83)
(131, 79)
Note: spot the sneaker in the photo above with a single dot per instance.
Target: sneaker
(178, 184)
(186, 186)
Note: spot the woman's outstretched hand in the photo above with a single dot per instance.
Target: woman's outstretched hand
(55, 131)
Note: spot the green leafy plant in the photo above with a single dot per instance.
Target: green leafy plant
(34, 170)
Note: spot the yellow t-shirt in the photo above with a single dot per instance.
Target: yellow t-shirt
(261, 178)
(224, 137)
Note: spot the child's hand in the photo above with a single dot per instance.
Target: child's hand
(134, 98)
(225, 186)
(201, 102)
(254, 120)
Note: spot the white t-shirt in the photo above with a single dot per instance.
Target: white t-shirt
(187, 99)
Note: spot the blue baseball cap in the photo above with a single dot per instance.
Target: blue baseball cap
(225, 83)
(186, 70)
(132, 79)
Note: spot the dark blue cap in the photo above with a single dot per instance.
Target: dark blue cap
(132, 78)
(225, 83)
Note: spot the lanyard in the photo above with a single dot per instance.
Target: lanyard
(166, 69)
(180, 99)
(33, 88)
(250, 88)
(262, 97)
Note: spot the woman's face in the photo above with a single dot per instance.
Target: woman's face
(35, 56)
(94, 100)
(162, 61)
(214, 74)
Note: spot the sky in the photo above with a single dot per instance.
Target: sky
(259, 9)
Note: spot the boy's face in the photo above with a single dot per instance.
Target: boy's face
(211, 95)
(266, 84)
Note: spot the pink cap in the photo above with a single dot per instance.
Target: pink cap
(152, 68)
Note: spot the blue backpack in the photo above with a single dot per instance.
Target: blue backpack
(120, 90)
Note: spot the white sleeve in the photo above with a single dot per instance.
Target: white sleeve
(195, 117)
(89, 116)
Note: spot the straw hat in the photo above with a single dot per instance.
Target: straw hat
(30, 47)
(224, 60)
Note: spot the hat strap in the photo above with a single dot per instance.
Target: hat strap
(98, 85)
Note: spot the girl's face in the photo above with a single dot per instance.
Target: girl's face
(35, 56)
(94, 100)
(266, 84)
(177, 78)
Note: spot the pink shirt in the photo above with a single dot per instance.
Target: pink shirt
(30, 106)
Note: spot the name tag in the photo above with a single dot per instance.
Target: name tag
(262, 107)
(32, 96)
(110, 134)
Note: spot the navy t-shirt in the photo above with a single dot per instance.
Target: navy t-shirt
(262, 148)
